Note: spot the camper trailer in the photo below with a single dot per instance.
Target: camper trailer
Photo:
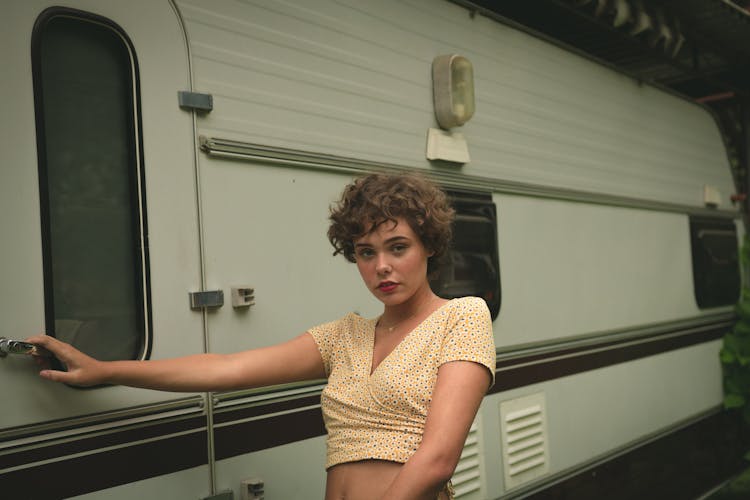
(167, 169)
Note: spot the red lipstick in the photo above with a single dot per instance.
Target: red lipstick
(387, 286)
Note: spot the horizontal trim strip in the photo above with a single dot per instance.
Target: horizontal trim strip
(101, 420)
(532, 369)
(60, 449)
(243, 151)
(594, 340)
(269, 394)
(223, 416)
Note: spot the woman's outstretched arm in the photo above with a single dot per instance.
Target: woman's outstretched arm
(292, 361)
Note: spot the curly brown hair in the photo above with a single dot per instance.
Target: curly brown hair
(374, 199)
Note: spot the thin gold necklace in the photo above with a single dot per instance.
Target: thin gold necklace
(396, 324)
(393, 326)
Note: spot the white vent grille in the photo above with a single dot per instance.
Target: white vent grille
(523, 427)
(467, 478)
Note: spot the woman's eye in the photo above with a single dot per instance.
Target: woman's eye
(399, 248)
(365, 253)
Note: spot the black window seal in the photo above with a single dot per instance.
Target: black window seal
(137, 178)
(483, 199)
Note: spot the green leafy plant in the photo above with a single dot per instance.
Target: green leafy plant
(735, 352)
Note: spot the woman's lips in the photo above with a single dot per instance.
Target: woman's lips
(387, 286)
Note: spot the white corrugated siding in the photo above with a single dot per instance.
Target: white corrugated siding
(352, 78)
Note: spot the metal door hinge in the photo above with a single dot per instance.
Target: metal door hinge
(208, 298)
(195, 100)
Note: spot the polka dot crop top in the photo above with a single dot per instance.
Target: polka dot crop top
(382, 415)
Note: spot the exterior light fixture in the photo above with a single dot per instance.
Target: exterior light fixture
(453, 90)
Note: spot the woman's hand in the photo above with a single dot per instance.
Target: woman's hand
(82, 371)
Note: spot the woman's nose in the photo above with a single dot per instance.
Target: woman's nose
(383, 267)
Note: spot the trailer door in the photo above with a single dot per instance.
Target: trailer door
(99, 225)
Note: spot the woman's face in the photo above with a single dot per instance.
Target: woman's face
(392, 262)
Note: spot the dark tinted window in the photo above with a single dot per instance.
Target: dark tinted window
(90, 184)
(716, 275)
(471, 268)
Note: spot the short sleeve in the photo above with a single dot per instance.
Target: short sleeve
(326, 338)
(470, 336)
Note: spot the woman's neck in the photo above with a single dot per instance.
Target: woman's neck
(422, 301)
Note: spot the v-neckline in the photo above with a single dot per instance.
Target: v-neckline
(373, 325)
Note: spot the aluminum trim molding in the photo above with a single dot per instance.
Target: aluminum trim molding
(45, 431)
(244, 151)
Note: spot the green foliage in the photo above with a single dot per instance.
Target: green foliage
(735, 351)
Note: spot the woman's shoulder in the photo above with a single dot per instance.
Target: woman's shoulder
(343, 324)
(468, 304)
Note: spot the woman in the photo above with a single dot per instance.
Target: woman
(403, 388)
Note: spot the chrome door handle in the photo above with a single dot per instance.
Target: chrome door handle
(8, 346)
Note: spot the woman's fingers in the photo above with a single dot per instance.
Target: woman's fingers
(65, 353)
(80, 367)
(50, 343)
(58, 376)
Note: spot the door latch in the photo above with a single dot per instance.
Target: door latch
(8, 346)
(243, 296)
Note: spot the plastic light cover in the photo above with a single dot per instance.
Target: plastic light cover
(453, 90)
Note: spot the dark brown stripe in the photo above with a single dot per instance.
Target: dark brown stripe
(264, 433)
(95, 472)
(509, 376)
(93, 443)
(223, 416)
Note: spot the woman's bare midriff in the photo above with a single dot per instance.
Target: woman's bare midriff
(363, 480)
